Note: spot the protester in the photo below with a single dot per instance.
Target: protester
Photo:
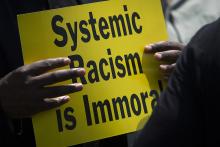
(20, 97)
(18, 82)
(22, 88)
(187, 112)
(183, 19)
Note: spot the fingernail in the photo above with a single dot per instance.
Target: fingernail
(62, 98)
(161, 42)
(65, 98)
(163, 67)
(78, 86)
(148, 47)
(81, 71)
(158, 56)
(66, 60)
(57, 99)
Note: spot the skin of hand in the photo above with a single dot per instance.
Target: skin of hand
(166, 51)
(26, 91)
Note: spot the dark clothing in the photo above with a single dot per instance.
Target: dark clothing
(10, 59)
(20, 132)
(188, 110)
(10, 53)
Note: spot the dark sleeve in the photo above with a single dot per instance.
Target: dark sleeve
(162, 128)
(178, 119)
(9, 60)
(10, 48)
(3, 65)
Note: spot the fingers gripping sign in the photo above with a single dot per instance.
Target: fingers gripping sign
(118, 91)
(166, 51)
(25, 91)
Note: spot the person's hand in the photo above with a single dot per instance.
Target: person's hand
(25, 91)
(167, 51)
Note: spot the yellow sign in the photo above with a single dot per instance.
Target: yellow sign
(121, 83)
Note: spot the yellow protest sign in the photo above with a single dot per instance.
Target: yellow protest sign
(121, 83)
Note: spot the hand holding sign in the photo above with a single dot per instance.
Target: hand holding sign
(121, 85)
(23, 91)
(167, 51)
